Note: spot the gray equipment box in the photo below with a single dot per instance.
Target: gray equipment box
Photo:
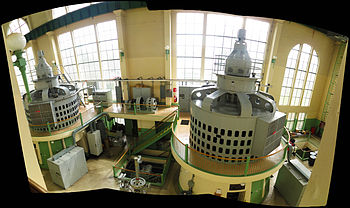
(291, 183)
(268, 133)
(144, 92)
(185, 98)
(104, 96)
(95, 143)
(69, 168)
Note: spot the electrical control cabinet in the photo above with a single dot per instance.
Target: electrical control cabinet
(185, 98)
(69, 168)
(268, 132)
(95, 143)
(141, 92)
(291, 183)
(104, 96)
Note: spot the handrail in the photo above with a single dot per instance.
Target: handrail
(157, 125)
(121, 157)
(154, 174)
(141, 139)
(61, 121)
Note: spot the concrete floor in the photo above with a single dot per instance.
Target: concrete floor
(100, 175)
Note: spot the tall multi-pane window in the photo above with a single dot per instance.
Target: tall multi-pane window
(299, 76)
(256, 38)
(30, 67)
(67, 55)
(189, 34)
(288, 79)
(221, 33)
(290, 121)
(310, 81)
(85, 46)
(60, 11)
(109, 51)
(204, 41)
(300, 121)
(91, 52)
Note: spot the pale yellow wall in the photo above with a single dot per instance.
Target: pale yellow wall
(292, 34)
(39, 18)
(43, 43)
(145, 43)
(29, 155)
(316, 192)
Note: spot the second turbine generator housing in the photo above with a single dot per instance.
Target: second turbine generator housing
(233, 119)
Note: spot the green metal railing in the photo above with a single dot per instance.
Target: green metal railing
(153, 134)
(157, 179)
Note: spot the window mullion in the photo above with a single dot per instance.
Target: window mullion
(98, 51)
(75, 55)
(203, 45)
(295, 74)
(307, 74)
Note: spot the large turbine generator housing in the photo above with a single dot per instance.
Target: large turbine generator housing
(233, 119)
(235, 135)
(54, 105)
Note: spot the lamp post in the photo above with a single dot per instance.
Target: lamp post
(16, 43)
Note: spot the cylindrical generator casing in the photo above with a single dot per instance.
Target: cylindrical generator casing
(54, 105)
(234, 121)
(234, 129)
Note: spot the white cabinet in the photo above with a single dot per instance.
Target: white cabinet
(69, 168)
(95, 143)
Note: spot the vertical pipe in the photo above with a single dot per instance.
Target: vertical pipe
(186, 153)
(246, 166)
(81, 119)
(21, 64)
(114, 171)
(137, 167)
(48, 127)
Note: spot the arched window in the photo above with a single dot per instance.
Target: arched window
(299, 76)
(18, 26)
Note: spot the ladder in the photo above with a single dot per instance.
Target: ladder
(333, 81)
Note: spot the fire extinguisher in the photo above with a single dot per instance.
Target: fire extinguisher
(175, 98)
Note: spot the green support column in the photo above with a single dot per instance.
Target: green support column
(186, 153)
(21, 64)
(246, 166)
(48, 127)
(81, 119)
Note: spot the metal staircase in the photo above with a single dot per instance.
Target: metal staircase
(154, 134)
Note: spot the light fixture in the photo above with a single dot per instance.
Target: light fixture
(16, 43)
(167, 51)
